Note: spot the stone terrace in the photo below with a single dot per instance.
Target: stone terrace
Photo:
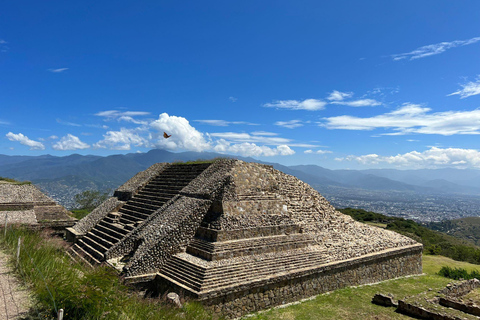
(238, 236)
(25, 204)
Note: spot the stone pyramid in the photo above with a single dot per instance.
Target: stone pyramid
(237, 236)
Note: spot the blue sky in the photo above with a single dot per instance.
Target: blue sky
(340, 84)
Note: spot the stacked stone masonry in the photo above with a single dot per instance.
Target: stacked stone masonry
(26, 204)
(238, 236)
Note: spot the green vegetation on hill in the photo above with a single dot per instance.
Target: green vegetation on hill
(9, 180)
(434, 242)
(83, 292)
(464, 228)
(458, 273)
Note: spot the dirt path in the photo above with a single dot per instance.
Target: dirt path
(14, 298)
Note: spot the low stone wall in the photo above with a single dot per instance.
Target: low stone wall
(471, 309)
(372, 268)
(456, 290)
(126, 191)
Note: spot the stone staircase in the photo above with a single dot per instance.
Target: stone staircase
(209, 265)
(185, 270)
(116, 225)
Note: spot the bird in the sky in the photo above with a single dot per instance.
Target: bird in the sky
(165, 135)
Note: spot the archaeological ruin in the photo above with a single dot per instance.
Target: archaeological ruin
(25, 204)
(239, 237)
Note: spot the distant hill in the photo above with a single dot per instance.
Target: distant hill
(464, 228)
(62, 176)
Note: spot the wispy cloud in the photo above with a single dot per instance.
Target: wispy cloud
(126, 116)
(245, 137)
(19, 137)
(292, 124)
(309, 151)
(3, 46)
(432, 158)
(233, 99)
(70, 142)
(66, 123)
(339, 96)
(59, 70)
(264, 133)
(433, 49)
(412, 118)
(225, 123)
(469, 89)
(359, 103)
(307, 104)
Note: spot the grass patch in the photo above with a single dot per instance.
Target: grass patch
(84, 293)
(80, 213)
(355, 303)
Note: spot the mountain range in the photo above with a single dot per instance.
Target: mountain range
(62, 177)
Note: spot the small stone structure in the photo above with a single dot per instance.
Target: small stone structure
(240, 237)
(446, 304)
(26, 204)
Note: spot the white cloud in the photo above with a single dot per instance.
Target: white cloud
(183, 135)
(264, 133)
(412, 118)
(251, 149)
(339, 96)
(53, 137)
(432, 158)
(359, 103)
(233, 99)
(317, 152)
(245, 137)
(59, 70)
(121, 140)
(307, 104)
(433, 49)
(468, 89)
(224, 123)
(70, 142)
(4, 122)
(34, 145)
(289, 124)
(127, 116)
(66, 123)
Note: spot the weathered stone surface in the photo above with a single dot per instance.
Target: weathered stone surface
(242, 237)
(384, 300)
(26, 204)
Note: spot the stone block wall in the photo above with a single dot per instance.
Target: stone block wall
(369, 269)
(88, 222)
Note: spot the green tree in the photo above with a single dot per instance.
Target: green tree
(90, 199)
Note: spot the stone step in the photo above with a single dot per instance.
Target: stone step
(183, 277)
(200, 278)
(100, 240)
(77, 256)
(140, 215)
(117, 227)
(163, 192)
(153, 203)
(86, 246)
(103, 227)
(89, 239)
(128, 219)
(139, 207)
(104, 236)
(86, 256)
